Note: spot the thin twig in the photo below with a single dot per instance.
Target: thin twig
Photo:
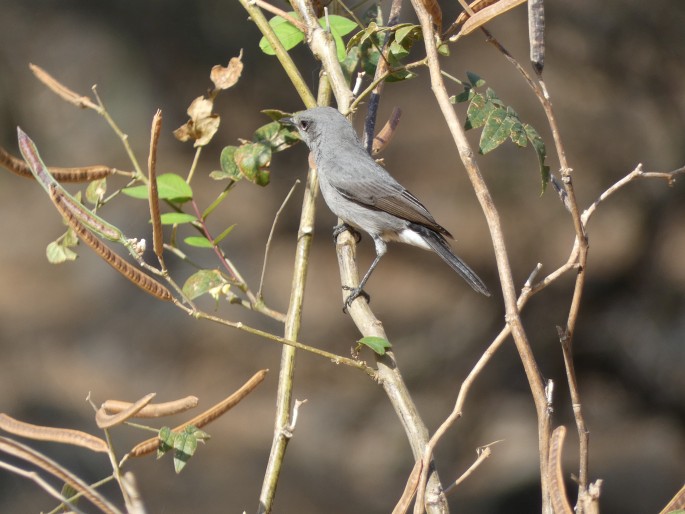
(484, 452)
(44, 485)
(279, 12)
(271, 234)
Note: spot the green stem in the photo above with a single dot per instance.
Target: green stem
(287, 63)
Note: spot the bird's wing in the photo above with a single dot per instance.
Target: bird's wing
(386, 194)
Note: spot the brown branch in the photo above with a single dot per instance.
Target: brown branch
(492, 217)
(483, 452)
(388, 373)
(39, 460)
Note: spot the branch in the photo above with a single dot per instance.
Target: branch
(492, 216)
(388, 372)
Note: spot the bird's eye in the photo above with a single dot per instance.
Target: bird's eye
(304, 125)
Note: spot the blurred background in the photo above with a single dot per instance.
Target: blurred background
(616, 73)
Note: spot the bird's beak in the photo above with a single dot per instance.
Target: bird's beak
(288, 122)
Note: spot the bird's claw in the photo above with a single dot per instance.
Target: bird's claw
(344, 227)
(355, 292)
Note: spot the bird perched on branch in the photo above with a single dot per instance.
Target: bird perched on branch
(365, 196)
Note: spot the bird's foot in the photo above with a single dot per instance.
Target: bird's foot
(355, 292)
(344, 227)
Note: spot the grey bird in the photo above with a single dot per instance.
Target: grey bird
(365, 196)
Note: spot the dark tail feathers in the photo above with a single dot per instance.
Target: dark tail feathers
(440, 246)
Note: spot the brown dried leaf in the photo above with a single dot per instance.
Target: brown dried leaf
(486, 12)
(202, 124)
(225, 77)
(434, 10)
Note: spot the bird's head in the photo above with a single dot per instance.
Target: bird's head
(321, 126)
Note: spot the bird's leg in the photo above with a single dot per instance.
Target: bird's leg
(359, 290)
(355, 292)
(339, 229)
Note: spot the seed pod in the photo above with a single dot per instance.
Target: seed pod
(536, 34)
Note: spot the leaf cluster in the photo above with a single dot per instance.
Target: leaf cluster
(251, 159)
(499, 122)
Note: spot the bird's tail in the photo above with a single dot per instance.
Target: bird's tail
(438, 244)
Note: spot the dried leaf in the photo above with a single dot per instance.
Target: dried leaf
(202, 124)
(485, 14)
(434, 10)
(225, 77)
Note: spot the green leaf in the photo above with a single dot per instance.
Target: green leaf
(398, 51)
(58, 253)
(229, 169)
(252, 160)
(198, 242)
(177, 218)
(339, 24)
(539, 146)
(185, 445)
(201, 282)
(369, 51)
(59, 250)
(278, 137)
(169, 187)
(221, 236)
(518, 134)
(475, 79)
(166, 441)
(96, 191)
(407, 30)
(497, 129)
(377, 344)
(464, 96)
(477, 112)
(340, 27)
(492, 98)
(287, 33)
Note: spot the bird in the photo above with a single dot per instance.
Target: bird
(365, 196)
